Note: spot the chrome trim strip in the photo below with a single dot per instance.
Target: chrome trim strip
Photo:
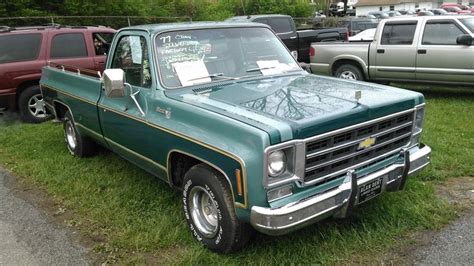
(359, 152)
(237, 204)
(314, 154)
(443, 71)
(299, 175)
(317, 180)
(357, 125)
(395, 69)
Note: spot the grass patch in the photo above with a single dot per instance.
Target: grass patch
(138, 218)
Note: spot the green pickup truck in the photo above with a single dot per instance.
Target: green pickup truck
(224, 114)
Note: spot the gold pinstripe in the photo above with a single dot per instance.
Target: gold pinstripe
(230, 155)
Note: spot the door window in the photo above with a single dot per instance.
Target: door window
(131, 55)
(102, 41)
(441, 33)
(68, 45)
(398, 34)
(19, 47)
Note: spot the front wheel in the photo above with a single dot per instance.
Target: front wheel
(209, 211)
(31, 105)
(349, 71)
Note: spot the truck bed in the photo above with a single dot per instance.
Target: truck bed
(326, 54)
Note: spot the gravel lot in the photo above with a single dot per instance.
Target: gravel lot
(454, 245)
(28, 237)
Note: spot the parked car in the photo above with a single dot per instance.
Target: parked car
(356, 25)
(366, 35)
(406, 12)
(422, 13)
(394, 13)
(223, 113)
(460, 6)
(26, 50)
(297, 41)
(318, 19)
(379, 14)
(439, 11)
(405, 49)
(457, 10)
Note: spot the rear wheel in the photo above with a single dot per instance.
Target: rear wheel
(77, 144)
(349, 71)
(210, 213)
(31, 106)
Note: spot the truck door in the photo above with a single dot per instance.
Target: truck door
(285, 28)
(395, 53)
(439, 56)
(70, 49)
(123, 124)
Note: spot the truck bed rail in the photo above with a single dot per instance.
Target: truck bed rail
(78, 70)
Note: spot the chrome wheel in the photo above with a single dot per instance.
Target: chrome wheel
(348, 75)
(37, 107)
(204, 211)
(70, 135)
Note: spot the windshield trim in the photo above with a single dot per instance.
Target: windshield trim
(213, 82)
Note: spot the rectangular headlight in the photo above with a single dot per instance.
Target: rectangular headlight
(281, 164)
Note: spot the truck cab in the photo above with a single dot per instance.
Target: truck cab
(436, 49)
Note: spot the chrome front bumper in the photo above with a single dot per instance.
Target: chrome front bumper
(337, 202)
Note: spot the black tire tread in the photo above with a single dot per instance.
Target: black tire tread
(243, 231)
(23, 105)
(86, 147)
(351, 66)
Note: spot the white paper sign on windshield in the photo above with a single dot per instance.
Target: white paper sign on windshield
(136, 47)
(269, 67)
(191, 72)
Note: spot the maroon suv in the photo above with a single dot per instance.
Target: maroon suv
(24, 51)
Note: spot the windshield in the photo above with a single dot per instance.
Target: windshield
(193, 57)
(469, 22)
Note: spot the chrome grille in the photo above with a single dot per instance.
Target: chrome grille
(330, 156)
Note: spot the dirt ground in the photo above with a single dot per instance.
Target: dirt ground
(460, 193)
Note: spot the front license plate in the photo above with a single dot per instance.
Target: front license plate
(370, 190)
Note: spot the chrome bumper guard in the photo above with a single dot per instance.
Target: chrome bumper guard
(340, 201)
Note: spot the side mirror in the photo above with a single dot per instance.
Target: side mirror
(464, 39)
(114, 83)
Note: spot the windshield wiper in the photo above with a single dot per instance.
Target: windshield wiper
(215, 75)
(259, 69)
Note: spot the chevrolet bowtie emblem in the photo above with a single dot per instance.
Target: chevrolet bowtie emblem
(367, 143)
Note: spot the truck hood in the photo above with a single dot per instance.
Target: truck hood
(302, 105)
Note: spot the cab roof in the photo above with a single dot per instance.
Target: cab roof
(158, 28)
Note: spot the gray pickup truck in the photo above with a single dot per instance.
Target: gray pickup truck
(414, 49)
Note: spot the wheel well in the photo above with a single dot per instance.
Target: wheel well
(339, 63)
(23, 86)
(180, 164)
(60, 110)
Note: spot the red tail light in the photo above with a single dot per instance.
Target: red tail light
(348, 33)
(311, 51)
